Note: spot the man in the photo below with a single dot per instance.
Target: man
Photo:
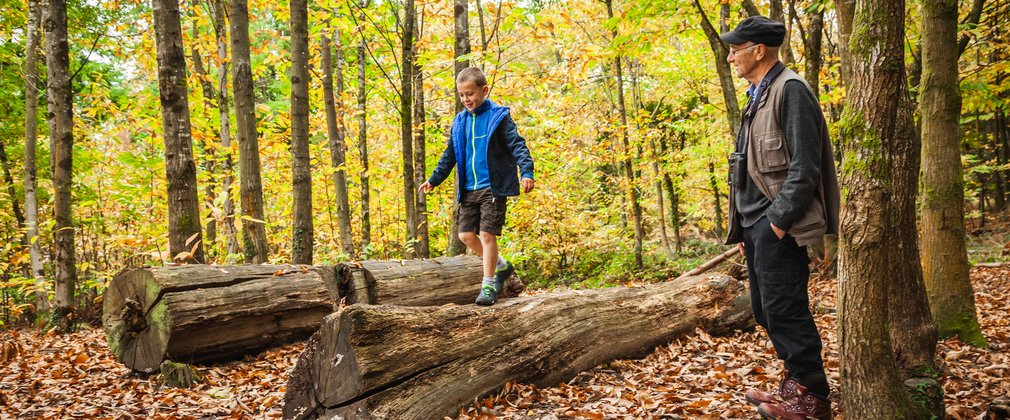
(784, 196)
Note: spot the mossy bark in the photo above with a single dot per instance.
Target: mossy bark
(877, 222)
(944, 252)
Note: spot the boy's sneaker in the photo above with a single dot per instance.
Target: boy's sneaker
(501, 275)
(488, 295)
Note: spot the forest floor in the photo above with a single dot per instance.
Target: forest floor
(697, 376)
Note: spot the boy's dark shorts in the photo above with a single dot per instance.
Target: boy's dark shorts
(479, 211)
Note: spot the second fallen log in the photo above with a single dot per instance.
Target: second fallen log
(427, 362)
(433, 282)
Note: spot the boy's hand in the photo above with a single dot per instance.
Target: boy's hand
(425, 187)
(528, 184)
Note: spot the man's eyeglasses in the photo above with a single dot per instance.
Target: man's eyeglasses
(734, 52)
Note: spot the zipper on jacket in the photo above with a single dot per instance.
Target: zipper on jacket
(473, 145)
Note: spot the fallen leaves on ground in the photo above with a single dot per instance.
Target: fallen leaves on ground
(697, 376)
(703, 377)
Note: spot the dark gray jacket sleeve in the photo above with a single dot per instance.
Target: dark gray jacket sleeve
(517, 145)
(799, 121)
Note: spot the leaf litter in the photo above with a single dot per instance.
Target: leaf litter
(696, 376)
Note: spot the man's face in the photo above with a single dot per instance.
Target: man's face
(744, 58)
(470, 95)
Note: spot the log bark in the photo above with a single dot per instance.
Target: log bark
(192, 313)
(420, 363)
(433, 282)
(199, 313)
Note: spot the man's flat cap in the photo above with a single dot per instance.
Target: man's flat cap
(756, 29)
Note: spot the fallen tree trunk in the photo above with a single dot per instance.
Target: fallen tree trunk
(431, 282)
(191, 313)
(426, 362)
(198, 313)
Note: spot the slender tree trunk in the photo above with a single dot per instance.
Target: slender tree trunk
(210, 231)
(221, 33)
(813, 47)
(31, 139)
(250, 184)
(775, 11)
(660, 205)
(461, 47)
(786, 50)
(629, 171)
(184, 234)
(674, 195)
(337, 136)
(366, 224)
(61, 111)
(301, 168)
(944, 252)
(9, 179)
(422, 248)
(871, 380)
(713, 182)
(846, 11)
(720, 51)
(406, 123)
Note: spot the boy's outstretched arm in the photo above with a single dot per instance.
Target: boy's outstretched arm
(521, 153)
(442, 170)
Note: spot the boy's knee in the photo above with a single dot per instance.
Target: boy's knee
(466, 236)
(487, 236)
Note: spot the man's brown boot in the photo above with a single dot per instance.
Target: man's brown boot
(801, 407)
(785, 392)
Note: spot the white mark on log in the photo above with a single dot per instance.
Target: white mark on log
(529, 306)
(336, 417)
(337, 359)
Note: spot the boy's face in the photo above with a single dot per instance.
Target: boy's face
(470, 95)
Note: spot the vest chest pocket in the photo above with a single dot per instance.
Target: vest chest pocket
(772, 154)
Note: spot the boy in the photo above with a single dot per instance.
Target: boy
(486, 148)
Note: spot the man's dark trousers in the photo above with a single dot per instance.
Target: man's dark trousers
(778, 270)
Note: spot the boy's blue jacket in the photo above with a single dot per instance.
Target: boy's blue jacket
(506, 149)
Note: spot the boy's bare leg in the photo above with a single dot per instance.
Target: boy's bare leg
(490, 244)
(473, 242)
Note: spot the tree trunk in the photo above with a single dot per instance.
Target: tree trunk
(354, 367)
(775, 11)
(366, 224)
(31, 139)
(871, 381)
(336, 134)
(192, 313)
(250, 185)
(629, 171)
(846, 10)
(432, 282)
(720, 51)
(61, 111)
(461, 47)
(944, 251)
(301, 168)
(184, 233)
(210, 231)
(221, 33)
(406, 123)
(660, 205)
(674, 194)
(913, 332)
(422, 248)
(813, 51)
(787, 46)
(11, 190)
(713, 182)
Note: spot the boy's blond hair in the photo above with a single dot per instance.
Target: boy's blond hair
(471, 74)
